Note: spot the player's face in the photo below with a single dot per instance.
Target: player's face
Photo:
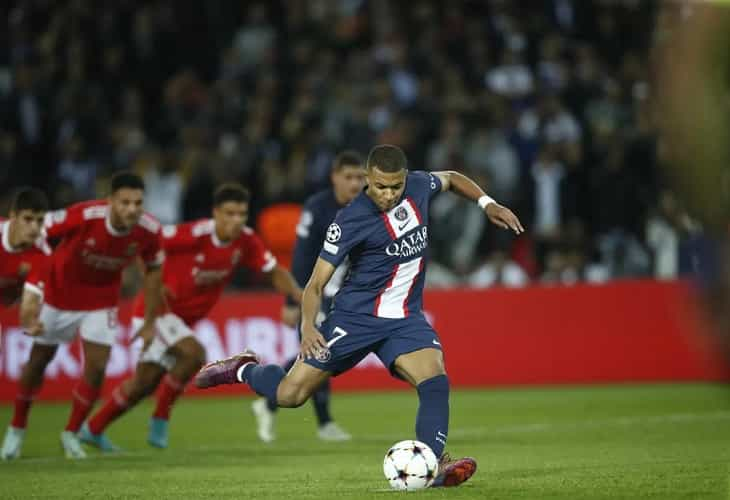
(348, 181)
(126, 207)
(230, 218)
(385, 188)
(26, 227)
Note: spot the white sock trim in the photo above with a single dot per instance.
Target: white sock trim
(239, 373)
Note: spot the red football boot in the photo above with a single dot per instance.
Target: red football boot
(453, 472)
(224, 371)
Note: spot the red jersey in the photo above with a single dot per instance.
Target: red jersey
(17, 265)
(198, 266)
(84, 272)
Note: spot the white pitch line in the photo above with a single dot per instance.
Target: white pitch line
(536, 427)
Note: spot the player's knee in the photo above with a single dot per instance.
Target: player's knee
(94, 374)
(136, 392)
(191, 352)
(291, 395)
(197, 354)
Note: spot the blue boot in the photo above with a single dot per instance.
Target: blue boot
(98, 440)
(158, 432)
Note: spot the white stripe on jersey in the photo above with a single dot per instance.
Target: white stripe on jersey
(391, 303)
(149, 223)
(95, 212)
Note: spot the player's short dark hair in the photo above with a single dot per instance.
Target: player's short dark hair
(230, 191)
(387, 158)
(348, 158)
(28, 198)
(126, 179)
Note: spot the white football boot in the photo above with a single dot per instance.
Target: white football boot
(71, 445)
(264, 420)
(333, 432)
(12, 443)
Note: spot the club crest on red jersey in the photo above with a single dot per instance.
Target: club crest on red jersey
(236, 256)
(24, 269)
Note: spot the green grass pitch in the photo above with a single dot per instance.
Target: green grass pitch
(644, 441)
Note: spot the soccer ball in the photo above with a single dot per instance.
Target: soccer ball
(410, 465)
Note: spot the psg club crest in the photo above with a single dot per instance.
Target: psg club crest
(334, 233)
(323, 355)
(401, 214)
(131, 249)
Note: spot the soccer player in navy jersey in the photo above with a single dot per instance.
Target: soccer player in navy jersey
(320, 209)
(384, 231)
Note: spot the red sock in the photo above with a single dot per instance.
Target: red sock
(84, 397)
(170, 390)
(23, 401)
(114, 406)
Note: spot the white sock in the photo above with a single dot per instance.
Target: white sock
(239, 373)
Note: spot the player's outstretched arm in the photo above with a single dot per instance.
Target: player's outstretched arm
(464, 186)
(283, 281)
(312, 339)
(30, 310)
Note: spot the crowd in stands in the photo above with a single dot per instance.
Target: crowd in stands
(548, 105)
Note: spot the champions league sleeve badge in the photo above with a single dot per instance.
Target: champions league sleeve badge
(334, 233)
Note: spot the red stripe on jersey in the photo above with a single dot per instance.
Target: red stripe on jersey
(385, 288)
(413, 283)
(415, 210)
(390, 229)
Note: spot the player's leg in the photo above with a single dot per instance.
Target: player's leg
(264, 410)
(189, 356)
(299, 384)
(86, 391)
(84, 395)
(98, 329)
(146, 378)
(60, 327)
(327, 428)
(31, 380)
(424, 370)
(413, 353)
(292, 389)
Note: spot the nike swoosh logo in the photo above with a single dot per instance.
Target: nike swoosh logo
(400, 228)
(436, 342)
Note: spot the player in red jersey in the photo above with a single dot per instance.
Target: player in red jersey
(79, 290)
(200, 258)
(22, 249)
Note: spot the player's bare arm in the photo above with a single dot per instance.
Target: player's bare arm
(464, 186)
(312, 339)
(152, 300)
(283, 282)
(30, 310)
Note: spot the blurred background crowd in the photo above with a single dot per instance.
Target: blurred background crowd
(547, 104)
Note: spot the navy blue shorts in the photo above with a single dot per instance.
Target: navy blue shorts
(351, 337)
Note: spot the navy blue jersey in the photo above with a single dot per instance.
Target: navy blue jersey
(318, 212)
(387, 251)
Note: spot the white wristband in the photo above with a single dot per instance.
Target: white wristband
(485, 200)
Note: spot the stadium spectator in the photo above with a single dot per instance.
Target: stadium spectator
(268, 91)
